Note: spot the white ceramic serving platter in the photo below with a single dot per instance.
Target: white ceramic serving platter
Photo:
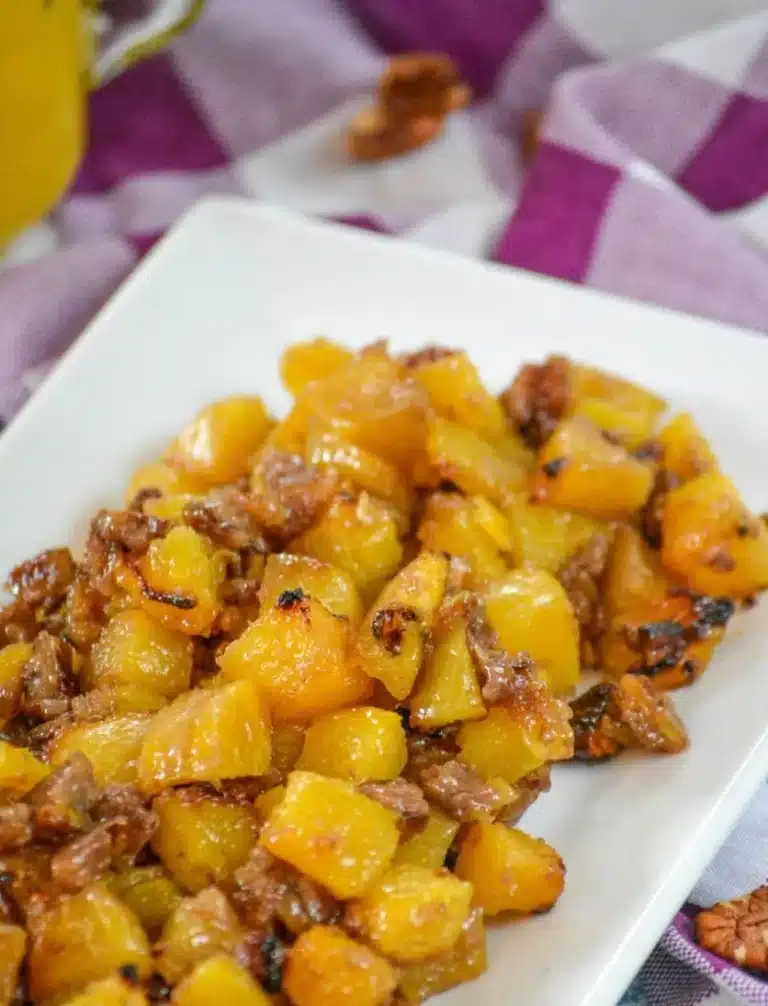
(209, 314)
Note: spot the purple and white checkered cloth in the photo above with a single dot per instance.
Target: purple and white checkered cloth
(651, 181)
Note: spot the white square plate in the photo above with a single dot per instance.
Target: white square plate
(209, 315)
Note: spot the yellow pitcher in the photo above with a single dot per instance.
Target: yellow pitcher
(48, 60)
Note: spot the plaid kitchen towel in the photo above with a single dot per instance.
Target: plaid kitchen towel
(650, 180)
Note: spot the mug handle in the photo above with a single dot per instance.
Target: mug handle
(139, 39)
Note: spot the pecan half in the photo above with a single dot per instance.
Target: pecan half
(737, 930)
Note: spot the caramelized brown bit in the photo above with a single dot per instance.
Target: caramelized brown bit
(661, 645)
(143, 496)
(429, 354)
(173, 598)
(526, 792)
(400, 796)
(267, 891)
(422, 84)
(17, 623)
(458, 790)
(736, 930)
(290, 497)
(83, 860)
(82, 614)
(553, 468)
(130, 825)
(48, 679)
(629, 714)
(537, 399)
(371, 136)
(582, 578)
(389, 624)
(722, 561)
(44, 579)
(114, 534)
(62, 802)
(653, 511)
(224, 518)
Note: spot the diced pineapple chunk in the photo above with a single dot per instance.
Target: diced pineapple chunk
(305, 362)
(19, 770)
(82, 938)
(335, 835)
(134, 650)
(206, 735)
(12, 660)
(580, 470)
(509, 744)
(219, 979)
(456, 391)
(390, 642)
(467, 959)
(429, 846)
(530, 612)
(218, 444)
(149, 893)
(165, 479)
(202, 839)
(328, 584)
(296, 654)
(327, 968)
(448, 690)
(510, 871)
(112, 991)
(712, 541)
(182, 579)
(452, 524)
(413, 913)
(330, 452)
(13, 944)
(112, 746)
(686, 450)
(200, 928)
(358, 535)
(545, 537)
(371, 402)
(472, 463)
(363, 744)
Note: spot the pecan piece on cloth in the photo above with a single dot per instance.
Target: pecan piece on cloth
(737, 930)
(418, 84)
(371, 136)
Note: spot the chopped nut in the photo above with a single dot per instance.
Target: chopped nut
(737, 930)
(419, 84)
(371, 136)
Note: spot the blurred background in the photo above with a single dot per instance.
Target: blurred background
(619, 145)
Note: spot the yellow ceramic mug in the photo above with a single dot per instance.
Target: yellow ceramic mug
(48, 60)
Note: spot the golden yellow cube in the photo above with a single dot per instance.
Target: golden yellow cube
(112, 746)
(217, 446)
(359, 744)
(202, 839)
(81, 938)
(328, 584)
(296, 655)
(200, 928)
(530, 612)
(334, 834)
(206, 735)
(580, 470)
(327, 968)
(413, 913)
(219, 979)
(509, 870)
(135, 650)
(429, 846)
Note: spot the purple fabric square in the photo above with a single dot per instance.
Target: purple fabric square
(479, 34)
(740, 138)
(556, 224)
(145, 121)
